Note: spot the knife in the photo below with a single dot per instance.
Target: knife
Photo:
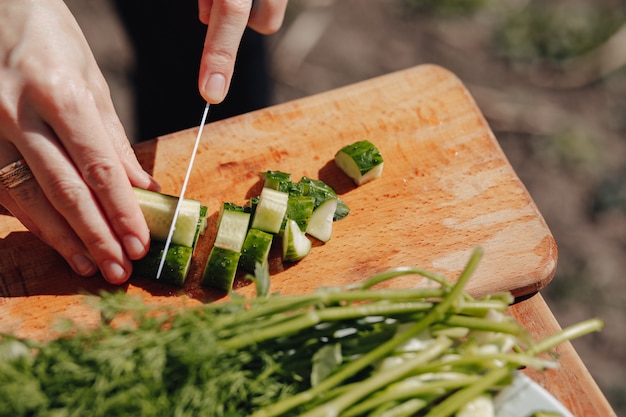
(181, 196)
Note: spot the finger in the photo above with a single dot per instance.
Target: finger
(112, 124)
(267, 16)
(28, 204)
(70, 196)
(85, 139)
(227, 20)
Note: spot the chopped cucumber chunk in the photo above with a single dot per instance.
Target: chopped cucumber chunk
(202, 225)
(321, 221)
(272, 179)
(232, 226)
(295, 243)
(158, 210)
(322, 192)
(361, 161)
(300, 208)
(220, 269)
(256, 249)
(546, 414)
(270, 210)
(176, 267)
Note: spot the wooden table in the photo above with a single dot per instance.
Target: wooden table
(446, 188)
(571, 383)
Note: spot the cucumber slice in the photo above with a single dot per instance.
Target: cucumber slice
(158, 209)
(300, 208)
(295, 243)
(270, 210)
(322, 192)
(321, 221)
(256, 249)
(176, 267)
(272, 179)
(361, 161)
(232, 226)
(220, 269)
(202, 225)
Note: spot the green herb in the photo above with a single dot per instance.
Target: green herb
(349, 351)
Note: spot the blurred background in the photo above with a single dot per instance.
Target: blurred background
(549, 77)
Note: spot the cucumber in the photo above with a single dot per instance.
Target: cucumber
(321, 222)
(295, 243)
(322, 192)
(300, 208)
(256, 249)
(176, 267)
(273, 179)
(361, 161)
(546, 414)
(220, 269)
(232, 226)
(270, 210)
(158, 210)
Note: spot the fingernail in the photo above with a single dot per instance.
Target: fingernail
(83, 265)
(214, 88)
(113, 272)
(133, 247)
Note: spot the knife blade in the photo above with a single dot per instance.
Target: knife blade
(181, 196)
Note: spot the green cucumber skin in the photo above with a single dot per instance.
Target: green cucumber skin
(300, 209)
(202, 225)
(176, 267)
(365, 155)
(221, 268)
(273, 179)
(256, 249)
(322, 192)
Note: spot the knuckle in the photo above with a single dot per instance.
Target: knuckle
(65, 193)
(236, 7)
(222, 56)
(98, 174)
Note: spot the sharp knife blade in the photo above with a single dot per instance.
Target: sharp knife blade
(181, 196)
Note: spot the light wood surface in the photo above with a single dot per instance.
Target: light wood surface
(446, 188)
(571, 383)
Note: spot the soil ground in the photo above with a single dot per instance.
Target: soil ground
(563, 135)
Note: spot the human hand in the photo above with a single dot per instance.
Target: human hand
(226, 20)
(56, 113)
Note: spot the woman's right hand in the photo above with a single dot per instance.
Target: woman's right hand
(56, 113)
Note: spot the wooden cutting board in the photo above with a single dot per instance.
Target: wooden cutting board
(446, 188)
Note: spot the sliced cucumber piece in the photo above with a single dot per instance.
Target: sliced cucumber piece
(322, 192)
(361, 161)
(300, 208)
(321, 221)
(202, 225)
(232, 226)
(272, 179)
(270, 210)
(158, 210)
(176, 267)
(220, 269)
(295, 243)
(256, 249)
